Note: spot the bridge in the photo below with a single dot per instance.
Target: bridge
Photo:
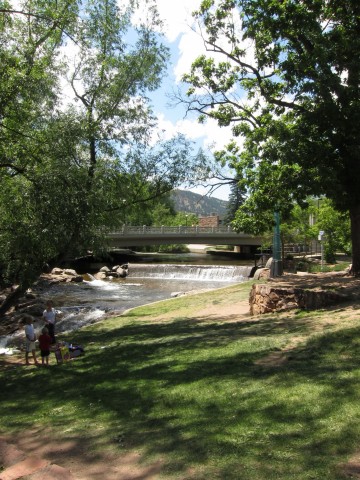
(129, 236)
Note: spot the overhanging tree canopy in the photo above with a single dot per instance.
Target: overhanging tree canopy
(75, 127)
(286, 75)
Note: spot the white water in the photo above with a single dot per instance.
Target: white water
(217, 273)
(88, 302)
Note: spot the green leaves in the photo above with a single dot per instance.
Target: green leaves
(75, 128)
(286, 75)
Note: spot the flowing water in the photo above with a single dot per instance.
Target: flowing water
(84, 303)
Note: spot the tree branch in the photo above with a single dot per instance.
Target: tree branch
(259, 78)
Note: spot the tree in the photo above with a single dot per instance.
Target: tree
(74, 156)
(288, 82)
(29, 37)
(236, 199)
(184, 219)
(299, 227)
(336, 226)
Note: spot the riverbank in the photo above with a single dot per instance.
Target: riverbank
(196, 388)
(33, 301)
(88, 298)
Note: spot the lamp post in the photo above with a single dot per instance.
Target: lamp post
(186, 217)
(321, 240)
(276, 269)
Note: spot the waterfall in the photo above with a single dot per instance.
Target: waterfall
(220, 273)
(89, 301)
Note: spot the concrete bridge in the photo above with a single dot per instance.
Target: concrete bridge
(130, 236)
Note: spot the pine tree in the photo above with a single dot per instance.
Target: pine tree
(236, 199)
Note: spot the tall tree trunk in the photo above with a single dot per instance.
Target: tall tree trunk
(11, 300)
(355, 239)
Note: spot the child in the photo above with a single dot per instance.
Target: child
(44, 344)
(30, 339)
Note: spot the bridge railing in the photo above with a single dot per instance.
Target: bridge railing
(181, 229)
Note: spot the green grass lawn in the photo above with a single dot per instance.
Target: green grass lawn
(196, 391)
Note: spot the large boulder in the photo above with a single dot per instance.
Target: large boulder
(117, 271)
(261, 273)
(122, 272)
(60, 275)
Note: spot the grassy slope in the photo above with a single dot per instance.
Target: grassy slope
(211, 398)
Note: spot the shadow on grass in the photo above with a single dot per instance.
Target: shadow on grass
(190, 392)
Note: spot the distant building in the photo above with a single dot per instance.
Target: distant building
(212, 221)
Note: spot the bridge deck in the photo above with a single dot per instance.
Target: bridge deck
(144, 235)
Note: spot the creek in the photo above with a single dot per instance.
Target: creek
(151, 279)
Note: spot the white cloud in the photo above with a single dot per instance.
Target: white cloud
(177, 16)
(182, 32)
(191, 46)
(208, 134)
(178, 20)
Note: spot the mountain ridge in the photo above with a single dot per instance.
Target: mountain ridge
(190, 202)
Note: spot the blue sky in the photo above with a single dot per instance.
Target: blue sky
(185, 45)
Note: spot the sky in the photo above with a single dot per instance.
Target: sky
(185, 45)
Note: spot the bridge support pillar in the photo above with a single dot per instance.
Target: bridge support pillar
(242, 249)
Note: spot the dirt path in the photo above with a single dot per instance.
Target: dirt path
(36, 455)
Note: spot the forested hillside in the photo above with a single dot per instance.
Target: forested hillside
(191, 202)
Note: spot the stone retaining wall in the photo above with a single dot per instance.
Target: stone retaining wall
(270, 298)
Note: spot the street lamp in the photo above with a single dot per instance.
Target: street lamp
(276, 269)
(186, 217)
(124, 210)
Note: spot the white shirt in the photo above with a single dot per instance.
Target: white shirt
(30, 332)
(50, 315)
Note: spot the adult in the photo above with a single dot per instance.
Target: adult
(49, 316)
(30, 339)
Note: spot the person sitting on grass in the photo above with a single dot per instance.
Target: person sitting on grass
(44, 344)
(30, 339)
